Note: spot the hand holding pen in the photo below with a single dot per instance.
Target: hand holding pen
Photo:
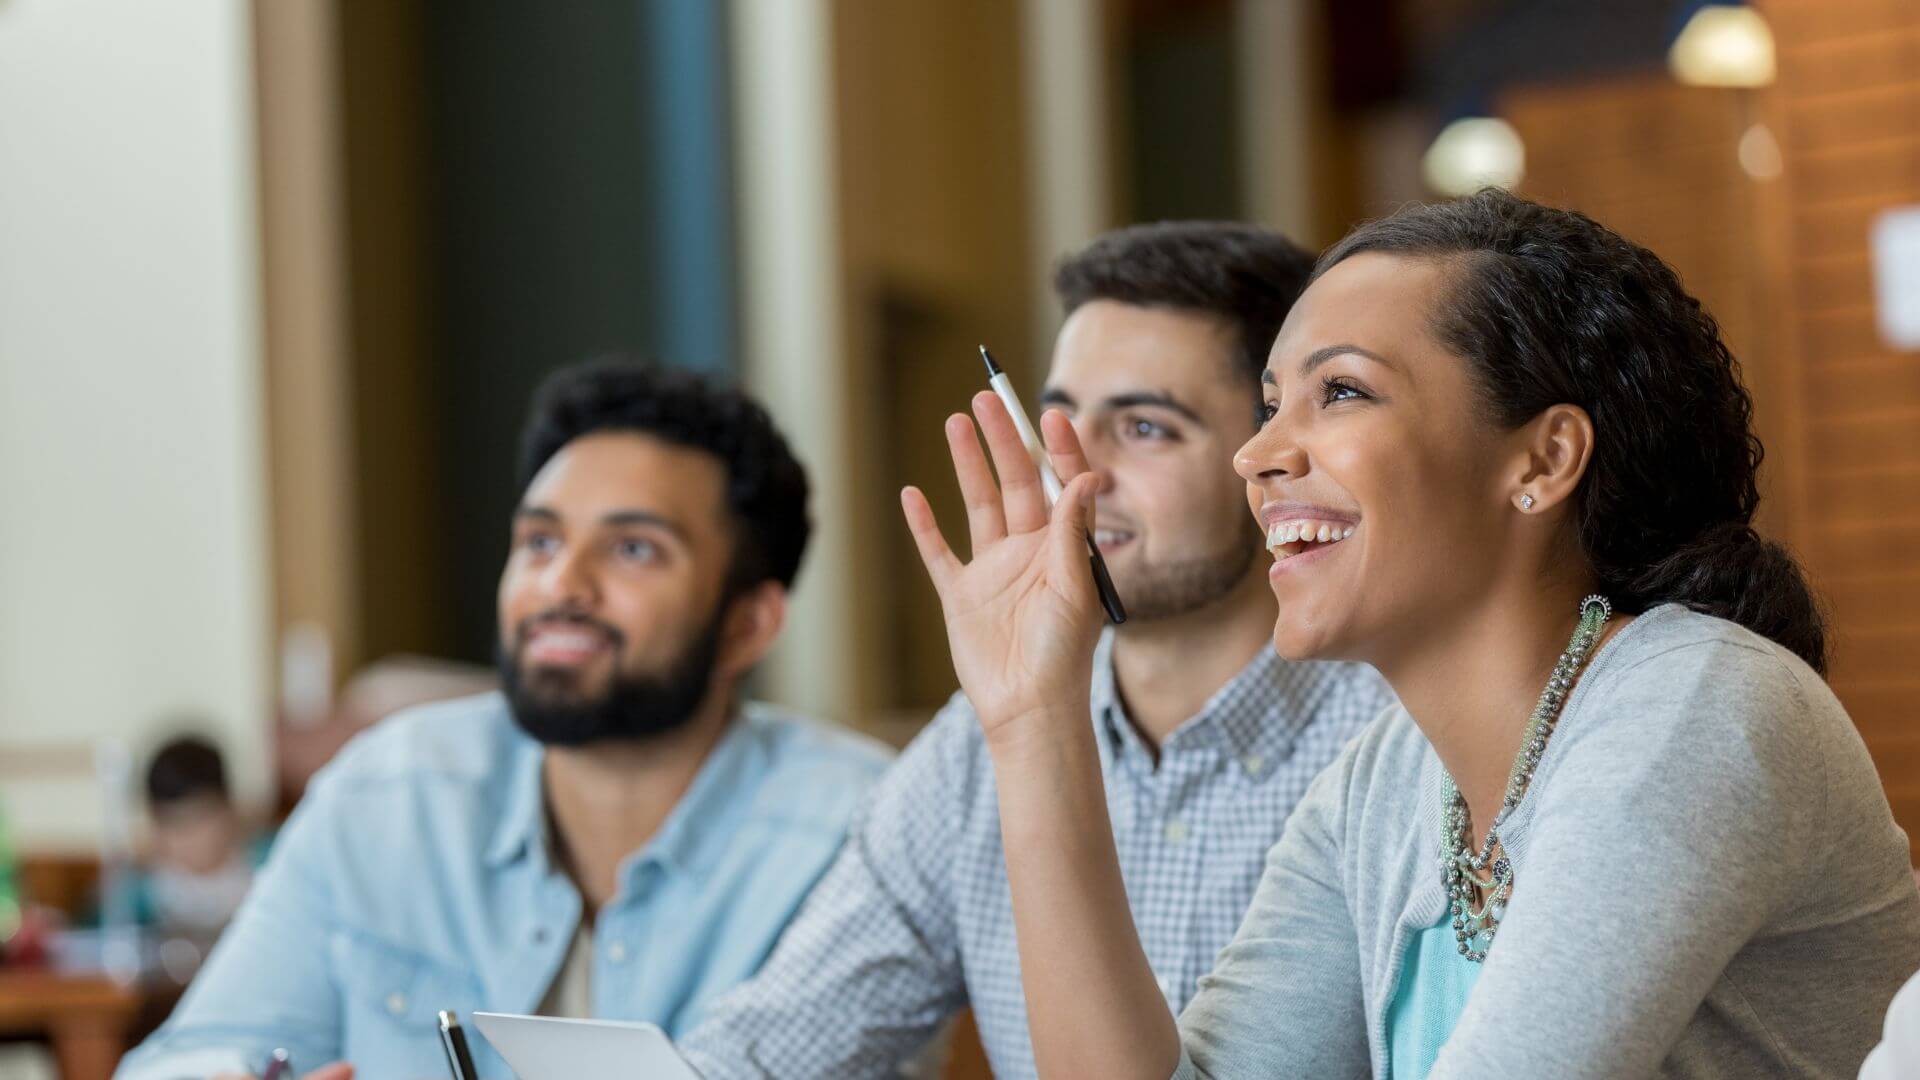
(1024, 613)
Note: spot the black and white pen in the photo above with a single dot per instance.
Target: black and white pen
(454, 1041)
(1050, 481)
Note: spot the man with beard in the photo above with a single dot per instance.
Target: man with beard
(1207, 738)
(615, 835)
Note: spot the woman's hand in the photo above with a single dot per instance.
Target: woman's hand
(1022, 617)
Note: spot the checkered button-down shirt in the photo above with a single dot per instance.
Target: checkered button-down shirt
(914, 920)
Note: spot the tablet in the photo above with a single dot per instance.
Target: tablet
(544, 1048)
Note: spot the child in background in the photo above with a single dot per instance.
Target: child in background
(202, 861)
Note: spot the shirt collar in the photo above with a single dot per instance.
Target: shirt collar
(522, 825)
(682, 840)
(1255, 716)
(697, 829)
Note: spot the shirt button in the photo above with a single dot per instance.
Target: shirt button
(1175, 831)
(617, 952)
(1253, 763)
(397, 1003)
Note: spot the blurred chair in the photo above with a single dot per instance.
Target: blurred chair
(374, 693)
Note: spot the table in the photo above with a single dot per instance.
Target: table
(87, 1018)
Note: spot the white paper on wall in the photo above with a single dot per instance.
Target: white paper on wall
(1896, 276)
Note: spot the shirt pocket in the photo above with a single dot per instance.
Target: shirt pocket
(391, 998)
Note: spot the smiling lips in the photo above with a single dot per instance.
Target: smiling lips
(1291, 537)
(564, 644)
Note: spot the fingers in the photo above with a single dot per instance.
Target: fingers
(1074, 511)
(935, 555)
(1068, 457)
(1023, 501)
(339, 1070)
(985, 521)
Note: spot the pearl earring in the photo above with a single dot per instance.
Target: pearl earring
(1526, 502)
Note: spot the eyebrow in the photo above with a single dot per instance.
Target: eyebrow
(617, 517)
(1133, 400)
(1320, 356)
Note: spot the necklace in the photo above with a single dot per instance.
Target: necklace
(1466, 870)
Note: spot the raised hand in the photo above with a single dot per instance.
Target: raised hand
(1022, 617)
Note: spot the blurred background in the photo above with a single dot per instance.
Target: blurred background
(278, 276)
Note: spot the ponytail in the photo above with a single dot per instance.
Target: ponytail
(1732, 572)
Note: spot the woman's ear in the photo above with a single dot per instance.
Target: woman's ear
(754, 620)
(1555, 448)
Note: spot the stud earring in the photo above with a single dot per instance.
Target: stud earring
(1526, 502)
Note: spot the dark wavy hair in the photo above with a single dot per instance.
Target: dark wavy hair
(766, 484)
(1550, 307)
(1243, 274)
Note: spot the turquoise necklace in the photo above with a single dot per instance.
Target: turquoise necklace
(1466, 870)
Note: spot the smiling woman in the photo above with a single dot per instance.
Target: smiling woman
(1505, 458)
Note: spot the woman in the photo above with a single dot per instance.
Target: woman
(1600, 838)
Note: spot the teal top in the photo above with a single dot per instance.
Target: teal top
(1433, 990)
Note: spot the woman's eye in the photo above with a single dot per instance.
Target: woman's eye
(1139, 427)
(541, 543)
(1267, 411)
(1337, 389)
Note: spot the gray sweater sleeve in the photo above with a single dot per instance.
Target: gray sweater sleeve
(1662, 841)
(1285, 998)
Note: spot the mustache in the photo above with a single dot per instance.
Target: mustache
(563, 617)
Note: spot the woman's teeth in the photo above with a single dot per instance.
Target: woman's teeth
(1281, 534)
(1106, 537)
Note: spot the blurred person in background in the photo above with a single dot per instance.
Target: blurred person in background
(202, 859)
(1207, 739)
(615, 834)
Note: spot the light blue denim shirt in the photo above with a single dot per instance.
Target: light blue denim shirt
(415, 876)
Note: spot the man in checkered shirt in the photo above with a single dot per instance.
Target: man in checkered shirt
(1207, 738)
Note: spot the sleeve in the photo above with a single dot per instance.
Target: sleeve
(1898, 1054)
(1664, 839)
(869, 969)
(1285, 997)
(268, 983)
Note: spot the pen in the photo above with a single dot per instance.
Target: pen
(454, 1042)
(279, 1066)
(1049, 481)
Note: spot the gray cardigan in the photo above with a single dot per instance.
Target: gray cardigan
(1708, 882)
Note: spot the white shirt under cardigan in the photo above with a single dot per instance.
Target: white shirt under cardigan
(1708, 883)
(1898, 1055)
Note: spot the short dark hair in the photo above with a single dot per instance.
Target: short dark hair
(183, 768)
(1243, 274)
(766, 486)
(1549, 307)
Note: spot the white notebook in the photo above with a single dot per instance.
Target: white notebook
(544, 1048)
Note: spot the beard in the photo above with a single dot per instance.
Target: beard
(1166, 590)
(556, 708)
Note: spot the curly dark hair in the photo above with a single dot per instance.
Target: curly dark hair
(1247, 275)
(1550, 307)
(766, 484)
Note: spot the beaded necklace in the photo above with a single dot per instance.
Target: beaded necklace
(1465, 869)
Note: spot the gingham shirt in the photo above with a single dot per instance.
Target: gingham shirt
(914, 921)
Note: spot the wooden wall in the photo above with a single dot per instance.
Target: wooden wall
(1784, 263)
(1847, 112)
